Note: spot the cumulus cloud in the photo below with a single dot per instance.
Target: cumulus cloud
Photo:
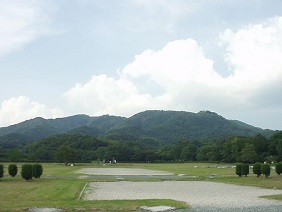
(21, 23)
(185, 78)
(21, 108)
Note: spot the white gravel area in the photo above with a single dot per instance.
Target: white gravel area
(121, 171)
(195, 193)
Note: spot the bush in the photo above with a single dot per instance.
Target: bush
(239, 169)
(26, 171)
(257, 169)
(245, 169)
(37, 170)
(13, 170)
(278, 168)
(1, 170)
(265, 169)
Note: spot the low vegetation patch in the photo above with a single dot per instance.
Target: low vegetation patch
(59, 186)
(63, 193)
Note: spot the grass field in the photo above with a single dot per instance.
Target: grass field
(60, 186)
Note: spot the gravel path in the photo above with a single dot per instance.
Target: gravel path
(121, 171)
(202, 196)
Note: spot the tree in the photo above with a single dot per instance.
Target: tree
(265, 169)
(257, 169)
(245, 169)
(261, 145)
(13, 170)
(27, 171)
(239, 169)
(1, 170)
(189, 152)
(15, 155)
(249, 154)
(278, 168)
(65, 154)
(206, 153)
(37, 170)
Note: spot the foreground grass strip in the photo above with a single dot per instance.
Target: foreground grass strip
(275, 197)
(19, 195)
(274, 181)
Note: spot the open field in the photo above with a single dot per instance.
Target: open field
(61, 186)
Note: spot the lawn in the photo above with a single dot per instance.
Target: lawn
(60, 186)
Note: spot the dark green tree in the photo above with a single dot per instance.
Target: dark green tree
(278, 168)
(257, 169)
(239, 169)
(15, 155)
(65, 154)
(206, 153)
(248, 154)
(27, 171)
(189, 152)
(1, 170)
(265, 169)
(261, 145)
(37, 170)
(245, 169)
(13, 170)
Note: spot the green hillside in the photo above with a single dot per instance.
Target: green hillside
(173, 126)
(148, 127)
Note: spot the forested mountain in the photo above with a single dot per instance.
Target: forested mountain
(173, 126)
(146, 136)
(39, 128)
(156, 127)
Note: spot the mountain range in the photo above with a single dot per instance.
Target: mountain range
(152, 126)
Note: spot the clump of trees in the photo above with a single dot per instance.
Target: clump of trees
(37, 170)
(26, 172)
(31, 170)
(13, 170)
(138, 147)
(242, 170)
(265, 169)
(278, 168)
(1, 170)
(257, 169)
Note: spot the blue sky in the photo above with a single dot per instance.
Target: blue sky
(118, 57)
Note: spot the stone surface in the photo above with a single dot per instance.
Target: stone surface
(121, 171)
(195, 193)
(160, 208)
(46, 210)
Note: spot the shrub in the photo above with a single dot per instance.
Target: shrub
(245, 169)
(26, 171)
(1, 170)
(278, 168)
(257, 169)
(265, 169)
(239, 170)
(37, 170)
(13, 170)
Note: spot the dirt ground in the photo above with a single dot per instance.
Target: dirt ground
(122, 172)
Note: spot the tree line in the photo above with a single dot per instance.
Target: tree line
(83, 148)
(28, 171)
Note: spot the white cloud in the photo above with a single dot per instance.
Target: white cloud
(186, 80)
(21, 22)
(105, 95)
(21, 108)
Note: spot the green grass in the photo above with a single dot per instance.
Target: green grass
(19, 195)
(60, 187)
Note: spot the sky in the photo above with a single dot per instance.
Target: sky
(120, 57)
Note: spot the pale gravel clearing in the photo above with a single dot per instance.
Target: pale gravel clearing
(198, 194)
(122, 172)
